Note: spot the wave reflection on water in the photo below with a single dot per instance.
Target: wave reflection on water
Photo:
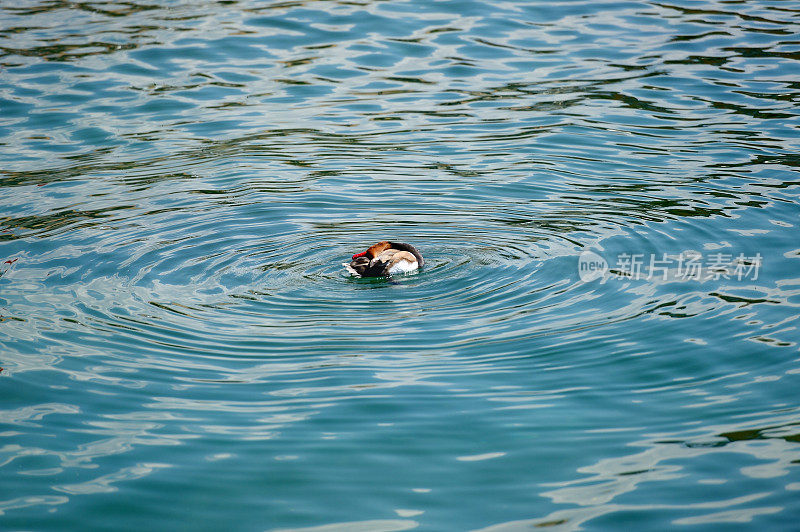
(182, 182)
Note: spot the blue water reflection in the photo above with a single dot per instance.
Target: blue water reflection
(181, 347)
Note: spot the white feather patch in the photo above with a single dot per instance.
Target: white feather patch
(403, 266)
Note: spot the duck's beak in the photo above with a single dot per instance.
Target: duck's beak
(359, 255)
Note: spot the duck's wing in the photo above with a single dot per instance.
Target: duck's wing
(392, 261)
(402, 262)
(411, 249)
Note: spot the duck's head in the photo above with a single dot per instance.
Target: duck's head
(373, 251)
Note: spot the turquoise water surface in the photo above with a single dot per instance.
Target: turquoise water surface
(605, 335)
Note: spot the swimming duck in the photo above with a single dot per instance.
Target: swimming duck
(384, 259)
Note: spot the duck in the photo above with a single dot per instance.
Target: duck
(384, 259)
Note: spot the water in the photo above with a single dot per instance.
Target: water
(180, 183)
